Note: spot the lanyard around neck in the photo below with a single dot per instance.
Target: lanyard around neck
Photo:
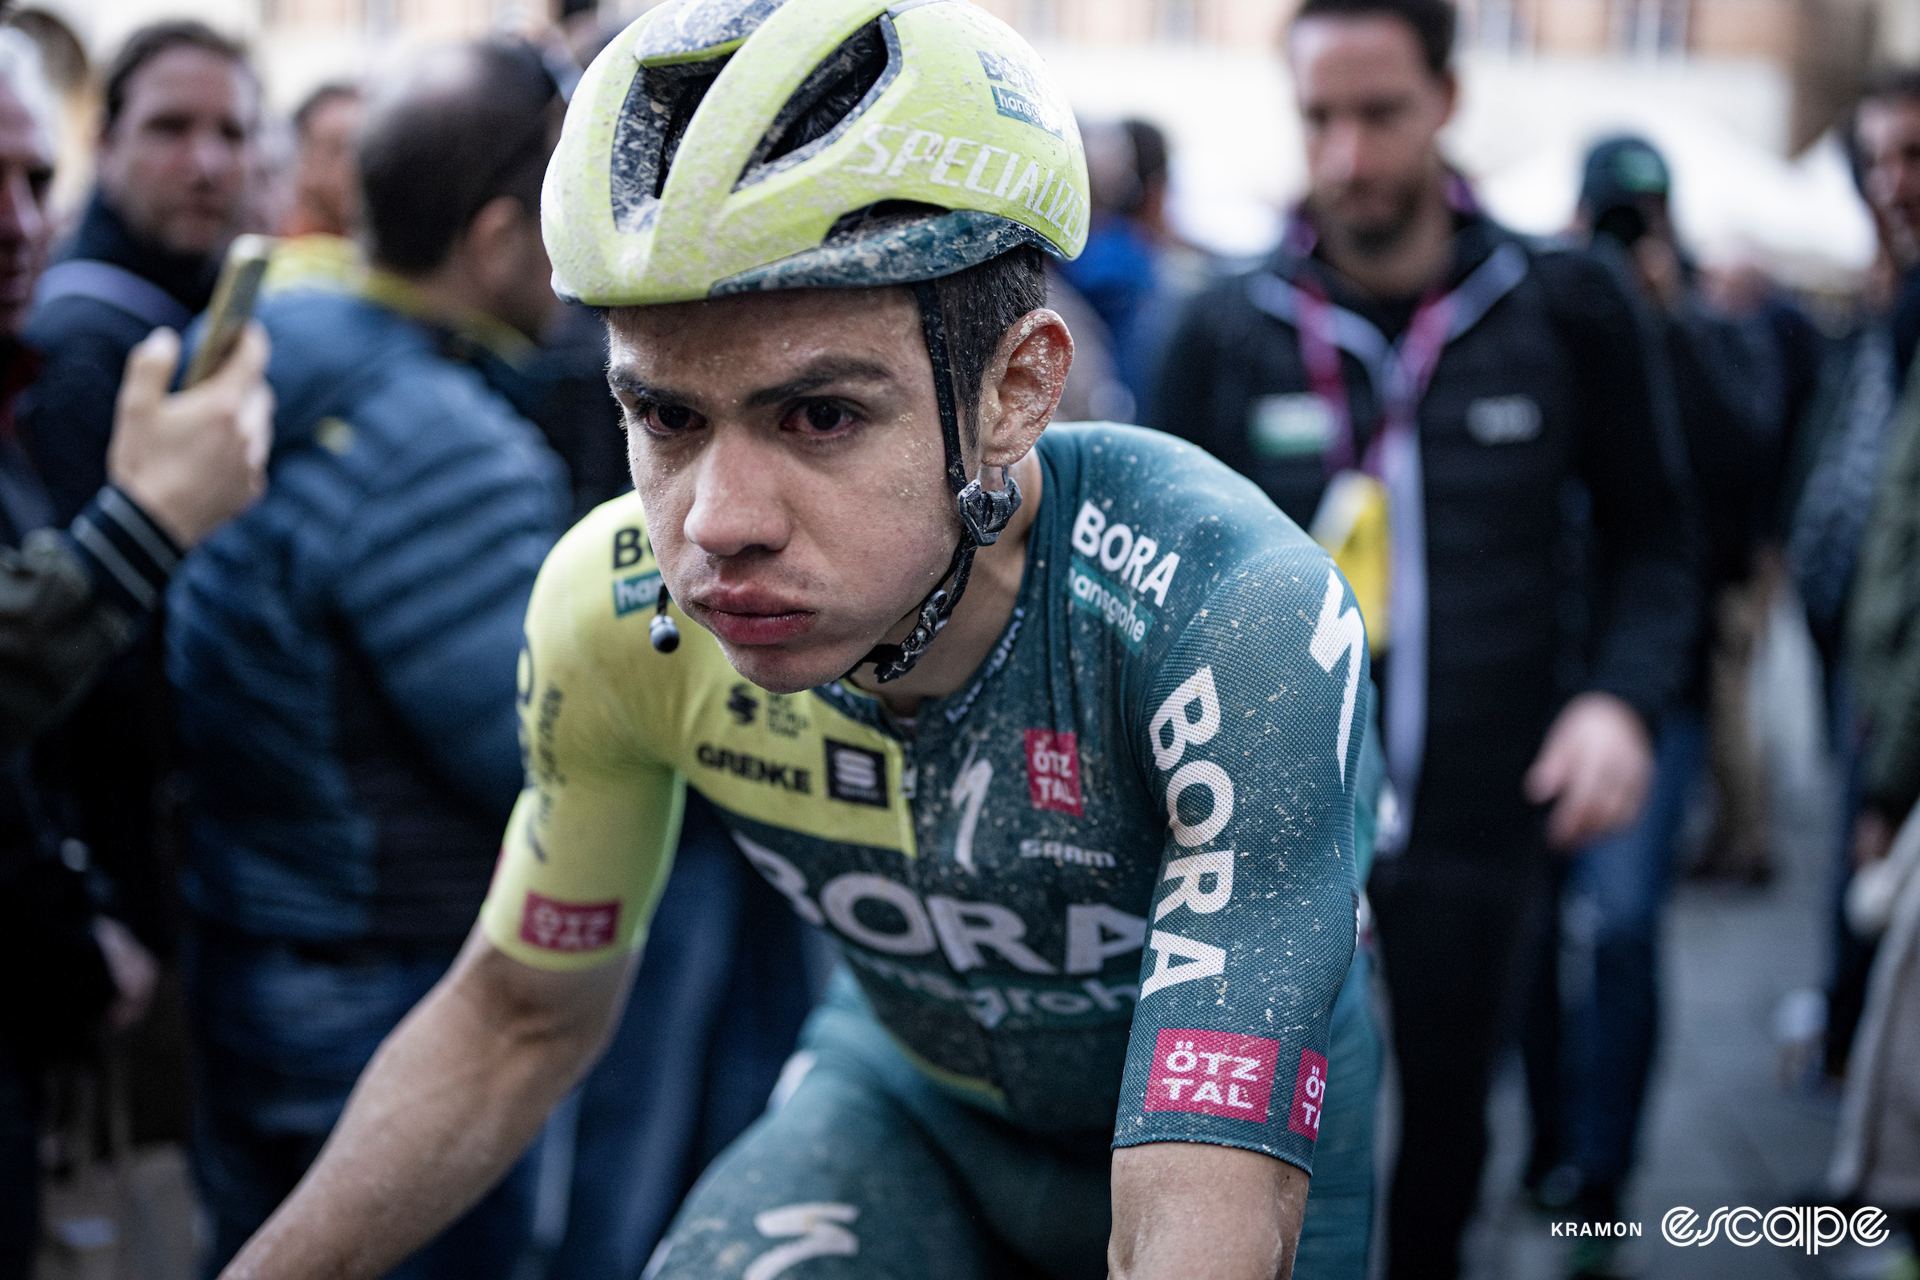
(1408, 371)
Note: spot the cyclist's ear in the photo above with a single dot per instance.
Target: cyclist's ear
(1022, 386)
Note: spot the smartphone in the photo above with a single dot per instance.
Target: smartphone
(232, 305)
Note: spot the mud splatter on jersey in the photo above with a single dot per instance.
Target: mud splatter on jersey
(1120, 857)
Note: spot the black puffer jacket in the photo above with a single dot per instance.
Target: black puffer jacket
(1561, 547)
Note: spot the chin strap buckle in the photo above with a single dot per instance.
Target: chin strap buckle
(987, 512)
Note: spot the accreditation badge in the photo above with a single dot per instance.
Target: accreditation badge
(1353, 525)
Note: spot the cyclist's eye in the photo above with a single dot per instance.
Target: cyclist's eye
(821, 417)
(669, 419)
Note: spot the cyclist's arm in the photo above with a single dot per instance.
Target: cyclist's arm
(458, 1090)
(1190, 1209)
(1251, 737)
(446, 1106)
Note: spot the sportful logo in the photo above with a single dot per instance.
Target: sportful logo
(1809, 1227)
(968, 163)
(856, 775)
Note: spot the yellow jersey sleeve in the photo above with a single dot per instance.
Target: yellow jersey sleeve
(591, 839)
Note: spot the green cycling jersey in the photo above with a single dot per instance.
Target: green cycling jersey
(1109, 884)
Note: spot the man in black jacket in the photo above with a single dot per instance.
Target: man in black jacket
(1462, 412)
(73, 595)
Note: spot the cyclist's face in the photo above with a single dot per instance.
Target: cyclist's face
(1371, 110)
(786, 448)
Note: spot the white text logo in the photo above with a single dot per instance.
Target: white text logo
(1809, 1227)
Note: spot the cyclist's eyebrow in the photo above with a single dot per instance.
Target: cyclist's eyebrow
(642, 391)
(822, 372)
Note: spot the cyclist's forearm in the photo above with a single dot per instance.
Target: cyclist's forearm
(1190, 1209)
(446, 1106)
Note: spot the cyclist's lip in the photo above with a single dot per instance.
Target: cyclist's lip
(748, 616)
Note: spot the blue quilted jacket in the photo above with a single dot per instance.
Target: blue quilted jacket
(343, 654)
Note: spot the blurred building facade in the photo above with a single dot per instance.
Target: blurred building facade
(1735, 90)
(1823, 44)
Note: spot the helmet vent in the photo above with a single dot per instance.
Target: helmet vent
(879, 219)
(827, 102)
(654, 119)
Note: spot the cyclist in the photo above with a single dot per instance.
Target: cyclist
(1059, 736)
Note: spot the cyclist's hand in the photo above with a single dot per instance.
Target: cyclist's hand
(1595, 768)
(196, 459)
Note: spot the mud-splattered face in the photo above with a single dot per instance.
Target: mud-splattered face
(787, 450)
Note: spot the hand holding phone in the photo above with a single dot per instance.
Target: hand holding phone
(232, 306)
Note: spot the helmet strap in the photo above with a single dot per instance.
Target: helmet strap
(984, 513)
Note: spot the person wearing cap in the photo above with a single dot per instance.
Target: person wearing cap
(1059, 733)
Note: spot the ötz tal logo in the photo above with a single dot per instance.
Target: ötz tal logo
(1809, 1227)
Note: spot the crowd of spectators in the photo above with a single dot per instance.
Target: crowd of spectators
(258, 638)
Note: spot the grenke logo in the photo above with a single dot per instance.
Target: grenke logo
(754, 769)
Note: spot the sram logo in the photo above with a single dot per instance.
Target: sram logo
(1199, 807)
(1124, 552)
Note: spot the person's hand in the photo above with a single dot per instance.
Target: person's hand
(196, 459)
(1872, 838)
(1596, 767)
(134, 971)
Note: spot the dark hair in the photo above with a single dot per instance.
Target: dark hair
(331, 91)
(1891, 82)
(154, 39)
(440, 149)
(1433, 21)
(980, 304)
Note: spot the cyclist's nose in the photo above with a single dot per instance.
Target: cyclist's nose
(737, 497)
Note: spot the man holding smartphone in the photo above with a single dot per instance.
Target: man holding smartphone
(72, 599)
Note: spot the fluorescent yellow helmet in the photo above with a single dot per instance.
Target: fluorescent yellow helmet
(726, 146)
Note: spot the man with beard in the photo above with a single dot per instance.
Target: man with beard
(181, 104)
(1469, 421)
